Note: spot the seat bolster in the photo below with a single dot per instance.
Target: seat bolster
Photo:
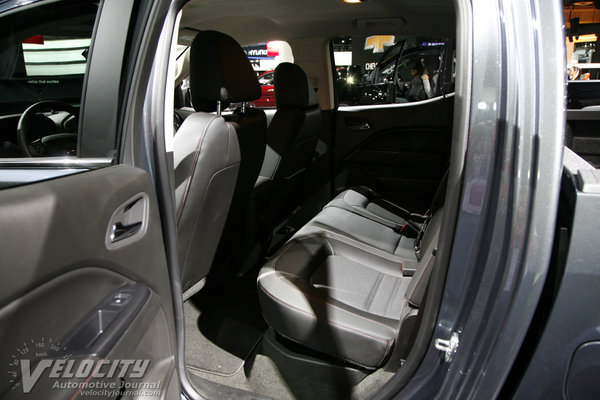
(298, 311)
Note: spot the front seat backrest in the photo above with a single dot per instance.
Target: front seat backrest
(207, 152)
(293, 133)
(239, 84)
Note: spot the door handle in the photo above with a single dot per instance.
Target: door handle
(120, 231)
(128, 222)
(358, 124)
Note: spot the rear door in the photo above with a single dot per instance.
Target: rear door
(85, 298)
(400, 145)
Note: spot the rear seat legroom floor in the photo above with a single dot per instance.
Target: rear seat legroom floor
(261, 375)
(222, 330)
(233, 315)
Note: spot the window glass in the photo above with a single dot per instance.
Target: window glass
(180, 50)
(381, 69)
(385, 73)
(43, 56)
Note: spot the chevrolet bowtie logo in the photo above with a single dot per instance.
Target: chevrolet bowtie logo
(377, 42)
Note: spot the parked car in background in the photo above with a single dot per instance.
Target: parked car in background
(267, 90)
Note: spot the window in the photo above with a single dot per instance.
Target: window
(381, 69)
(43, 57)
(265, 57)
(385, 74)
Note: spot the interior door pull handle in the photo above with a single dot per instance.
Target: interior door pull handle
(129, 221)
(120, 231)
(358, 125)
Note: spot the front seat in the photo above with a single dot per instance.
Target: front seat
(291, 137)
(290, 145)
(209, 151)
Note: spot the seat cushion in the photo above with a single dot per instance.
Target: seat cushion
(344, 284)
(375, 292)
(324, 294)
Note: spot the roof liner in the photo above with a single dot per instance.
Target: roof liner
(251, 21)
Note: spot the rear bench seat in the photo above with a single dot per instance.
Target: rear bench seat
(345, 283)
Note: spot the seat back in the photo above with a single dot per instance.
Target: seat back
(251, 128)
(293, 133)
(209, 150)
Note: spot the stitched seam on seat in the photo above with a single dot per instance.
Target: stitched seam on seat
(420, 281)
(396, 287)
(386, 352)
(373, 291)
(398, 244)
(329, 246)
(385, 340)
(192, 169)
(337, 356)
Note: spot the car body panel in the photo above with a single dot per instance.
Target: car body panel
(267, 91)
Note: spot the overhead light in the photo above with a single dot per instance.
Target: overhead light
(353, 1)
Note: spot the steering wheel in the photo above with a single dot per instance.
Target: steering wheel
(51, 145)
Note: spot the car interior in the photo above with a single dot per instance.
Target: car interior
(311, 148)
(306, 232)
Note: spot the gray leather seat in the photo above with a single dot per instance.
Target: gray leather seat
(342, 296)
(292, 135)
(290, 145)
(364, 216)
(207, 152)
(369, 204)
(350, 283)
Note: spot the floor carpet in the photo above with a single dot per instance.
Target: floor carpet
(222, 329)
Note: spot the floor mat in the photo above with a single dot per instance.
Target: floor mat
(221, 336)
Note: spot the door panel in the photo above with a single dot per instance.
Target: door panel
(63, 282)
(400, 151)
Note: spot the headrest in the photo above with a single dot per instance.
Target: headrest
(220, 70)
(292, 87)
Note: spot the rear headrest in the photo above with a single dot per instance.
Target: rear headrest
(220, 70)
(292, 87)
